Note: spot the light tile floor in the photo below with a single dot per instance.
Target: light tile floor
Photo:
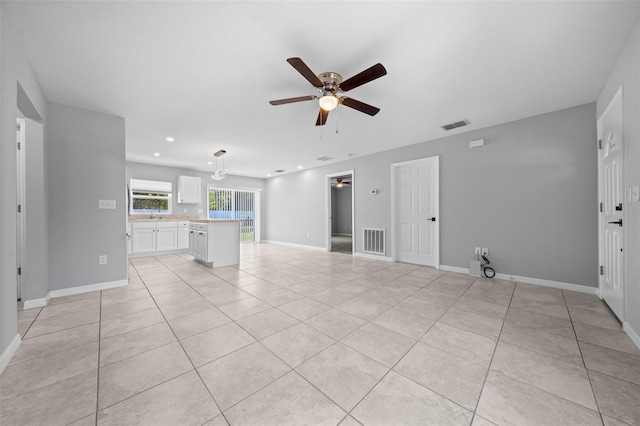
(297, 337)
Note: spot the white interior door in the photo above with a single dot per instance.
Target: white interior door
(612, 213)
(416, 212)
(20, 215)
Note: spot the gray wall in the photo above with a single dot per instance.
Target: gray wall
(86, 162)
(341, 210)
(627, 74)
(14, 69)
(170, 174)
(528, 195)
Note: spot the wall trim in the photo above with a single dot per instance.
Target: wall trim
(295, 245)
(373, 256)
(9, 352)
(529, 280)
(341, 235)
(635, 338)
(36, 303)
(70, 291)
(157, 253)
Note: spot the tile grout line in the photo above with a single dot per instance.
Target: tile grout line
(187, 356)
(484, 381)
(593, 392)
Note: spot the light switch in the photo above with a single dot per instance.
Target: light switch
(106, 204)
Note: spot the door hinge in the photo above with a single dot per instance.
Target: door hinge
(19, 208)
(600, 207)
(599, 143)
(20, 270)
(19, 148)
(601, 270)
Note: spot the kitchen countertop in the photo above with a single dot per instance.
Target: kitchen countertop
(163, 218)
(214, 220)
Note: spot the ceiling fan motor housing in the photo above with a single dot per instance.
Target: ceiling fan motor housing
(331, 81)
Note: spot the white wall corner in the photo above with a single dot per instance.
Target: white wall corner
(8, 353)
(635, 338)
(87, 288)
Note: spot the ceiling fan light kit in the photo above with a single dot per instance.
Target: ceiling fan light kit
(329, 85)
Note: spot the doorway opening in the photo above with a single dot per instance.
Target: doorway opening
(340, 202)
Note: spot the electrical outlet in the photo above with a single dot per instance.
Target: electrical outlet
(186, 210)
(485, 251)
(102, 259)
(477, 250)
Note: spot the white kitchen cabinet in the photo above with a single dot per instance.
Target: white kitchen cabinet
(183, 235)
(188, 189)
(151, 237)
(215, 242)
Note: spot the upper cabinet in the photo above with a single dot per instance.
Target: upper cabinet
(188, 189)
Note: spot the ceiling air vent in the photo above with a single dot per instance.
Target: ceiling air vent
(279, 171)
(324, 158)
(455, 125)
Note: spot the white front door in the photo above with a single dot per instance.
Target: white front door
(416, 212)
(612, 207)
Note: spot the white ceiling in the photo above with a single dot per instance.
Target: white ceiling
(203, 72)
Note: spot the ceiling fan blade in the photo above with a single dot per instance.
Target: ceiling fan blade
(292, 100)
(322, 117)
(365, 76)
(360, 106)
(306, 72)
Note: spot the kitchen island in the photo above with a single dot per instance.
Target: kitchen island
(215, 242)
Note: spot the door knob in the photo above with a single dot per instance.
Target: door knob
(617, 222)
(433, 219)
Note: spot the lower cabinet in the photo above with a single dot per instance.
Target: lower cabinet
(215, 242)
(152, 237)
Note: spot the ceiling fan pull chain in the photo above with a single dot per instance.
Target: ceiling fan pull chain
(337, 114)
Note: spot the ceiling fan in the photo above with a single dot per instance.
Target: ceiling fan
(340, 181)
(330, 85)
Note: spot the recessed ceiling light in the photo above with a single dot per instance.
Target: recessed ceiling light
(209, 163)
(268, 174)
(157, 154)
(299, 167)
(170, 139)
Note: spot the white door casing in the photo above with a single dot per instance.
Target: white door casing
(21, 197)
(353, 207)
(415, 211)
(611, 217)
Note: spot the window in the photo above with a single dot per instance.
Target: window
(149, 197)
(240, 204)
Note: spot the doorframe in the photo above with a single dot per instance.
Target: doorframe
(21, 228)
(393, 233)
(614, 98)
(353, 208)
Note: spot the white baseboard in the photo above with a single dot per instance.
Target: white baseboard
(635, 338)
(373, 256)
(529, 280)
(157, 253)
(70, 291)
(454, 269)
(341, 235)
(8, 353)
(36, 303)
(295, 245)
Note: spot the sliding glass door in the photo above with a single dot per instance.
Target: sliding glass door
(225, 203)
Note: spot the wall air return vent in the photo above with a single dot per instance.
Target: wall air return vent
(279, 171)
(324, 158)
(456, 125)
